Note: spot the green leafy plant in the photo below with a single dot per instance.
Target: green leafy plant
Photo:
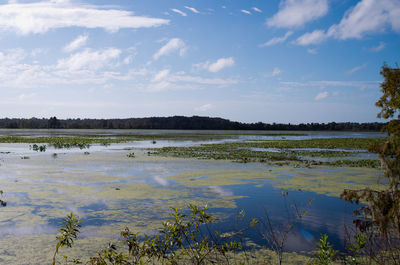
(355, 250)
(184, 238)
(325, 253)
(68, 232)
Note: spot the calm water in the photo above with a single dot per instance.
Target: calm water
(111, 191)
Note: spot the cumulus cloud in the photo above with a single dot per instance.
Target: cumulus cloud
(194, 10)
(172, 45)
(204, 107)
(296, 13)
(315, 37)
(76, 44)
(321, 95)
(221, 64)
(179, 12)
(216, 66)
(277, 40)
(257, 9)
(89, 59)
(367, 17)
(247, 12)
(39, 17)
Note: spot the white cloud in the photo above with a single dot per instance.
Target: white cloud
(128, 59)
(315, 37)
(356, 69)
(26, 96)
(179, 12)
(330, 83)
(11, 57)
(159, 86)
(277, 40)
(296, 13)
(161, 75)
(172, 45)
(367, 17)
(76, 44)
(378, 48)
(177, 81)
(312, 51)
(203, 108)
(194, 10)
(39, 17)
(245, 11)
(221, 64)
(276, 71)
(321, 95)
(89, 59)
(257, 9)
(95, 68)
(202, 80)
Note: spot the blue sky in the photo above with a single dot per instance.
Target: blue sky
(271, 61)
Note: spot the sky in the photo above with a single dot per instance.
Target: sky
(287, 61)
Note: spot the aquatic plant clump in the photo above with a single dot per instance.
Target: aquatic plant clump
(280, 151)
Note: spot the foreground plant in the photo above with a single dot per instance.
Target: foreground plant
(379, 219)
(325, 254)
(69, 231)
(184, 238)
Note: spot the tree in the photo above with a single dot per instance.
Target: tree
(53, 123)
(380, 218)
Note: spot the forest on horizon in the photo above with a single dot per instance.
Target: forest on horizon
(179, 123)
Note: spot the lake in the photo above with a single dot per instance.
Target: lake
(110, 190)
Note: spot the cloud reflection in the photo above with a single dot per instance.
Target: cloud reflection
(223, 192)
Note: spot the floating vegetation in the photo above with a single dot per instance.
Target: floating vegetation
(280, 152)
(326, 154)
(54, 155)
(370, 163)
(60, 145)
(132, 155)
(35, 147)
(107, 139)
(25, 157)
(223, 152)
(324, 143)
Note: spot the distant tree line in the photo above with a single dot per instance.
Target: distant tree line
(180, 123)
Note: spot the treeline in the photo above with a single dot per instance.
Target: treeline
(179, 123)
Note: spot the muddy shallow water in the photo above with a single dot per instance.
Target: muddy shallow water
(110, 191)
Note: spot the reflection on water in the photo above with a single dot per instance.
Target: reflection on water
(325, 215)
(12, 230)
(110, 191)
